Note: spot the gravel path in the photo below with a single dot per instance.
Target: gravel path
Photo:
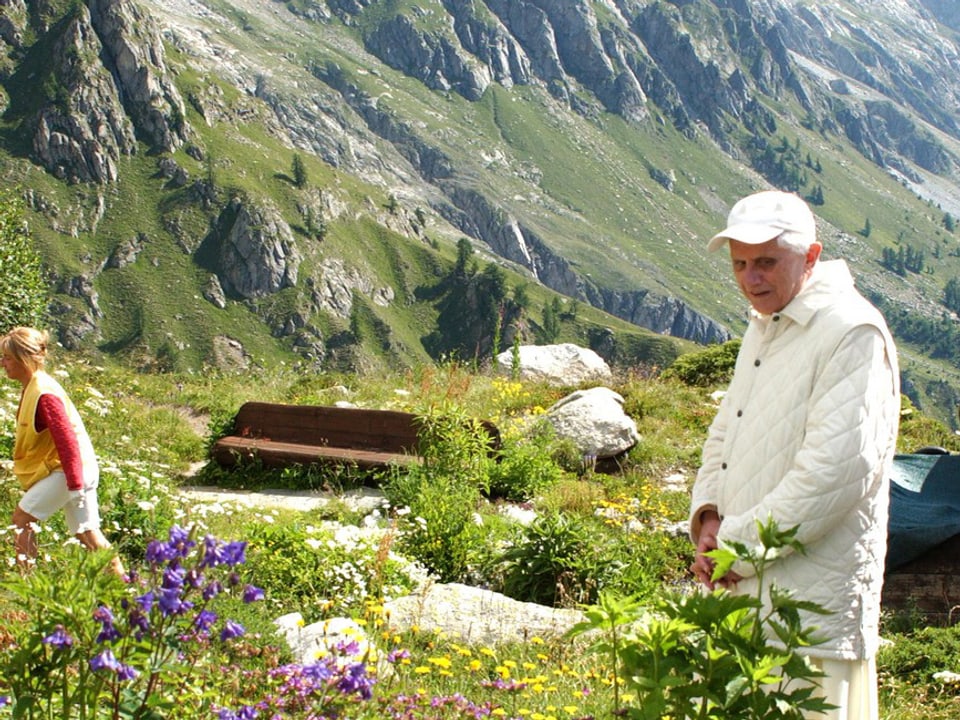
(363, 499)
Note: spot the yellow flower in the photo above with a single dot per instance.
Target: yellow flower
(536, 640)
(488, 652)
(443, 662)
(422, 670)
(509, 663)
(475, 665)
(499, 712)
(570, 709)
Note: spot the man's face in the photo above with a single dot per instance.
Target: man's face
(769, 275)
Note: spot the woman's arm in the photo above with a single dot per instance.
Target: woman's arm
(52, 415)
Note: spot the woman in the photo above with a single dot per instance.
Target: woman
(53, 457)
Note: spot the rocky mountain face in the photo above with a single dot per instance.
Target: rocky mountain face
(881, 78)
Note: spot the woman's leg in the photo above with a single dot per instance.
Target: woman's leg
(26, 539)
(95, 540)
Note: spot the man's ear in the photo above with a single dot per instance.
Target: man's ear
(813, 253)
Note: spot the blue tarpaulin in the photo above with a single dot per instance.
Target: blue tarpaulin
(924, 505)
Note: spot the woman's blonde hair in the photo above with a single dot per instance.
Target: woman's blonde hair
(27, 345)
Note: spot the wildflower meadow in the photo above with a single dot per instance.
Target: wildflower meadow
(193, 630)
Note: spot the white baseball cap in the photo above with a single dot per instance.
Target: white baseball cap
(766, 215)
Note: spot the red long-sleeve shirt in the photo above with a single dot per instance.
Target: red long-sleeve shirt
(52, 415)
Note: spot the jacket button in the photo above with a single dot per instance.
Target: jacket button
(739, 413)
(756, 363)
(723, 466)
(776, 318)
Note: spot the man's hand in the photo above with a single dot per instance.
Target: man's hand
(703, 566)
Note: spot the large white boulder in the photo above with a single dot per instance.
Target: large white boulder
(563, 364)
(595, 421)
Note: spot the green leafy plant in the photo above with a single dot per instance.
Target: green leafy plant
(526, 465)
(716, 655)
(23, 288)
(552, 562)
(329, 570)
(435, 503)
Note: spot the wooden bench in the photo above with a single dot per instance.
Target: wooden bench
(279, 435)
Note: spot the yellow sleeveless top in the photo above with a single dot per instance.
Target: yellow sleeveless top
(34, 454)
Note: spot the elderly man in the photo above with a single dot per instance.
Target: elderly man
(805, 434)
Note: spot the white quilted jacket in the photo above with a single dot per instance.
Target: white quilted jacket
(806, 433)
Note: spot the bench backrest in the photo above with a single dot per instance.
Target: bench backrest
(383, 430)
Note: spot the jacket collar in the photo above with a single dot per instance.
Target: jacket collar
(829, 279)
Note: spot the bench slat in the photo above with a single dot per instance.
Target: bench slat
(230, 449)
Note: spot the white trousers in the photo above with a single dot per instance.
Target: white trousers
(851, 685)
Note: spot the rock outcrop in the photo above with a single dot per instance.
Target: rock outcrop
(81, 132)
(257, 253)
(133, 52)
(106, 83)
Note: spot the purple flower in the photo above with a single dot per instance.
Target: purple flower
(146, 601)
(108, 632)
(173, 577)
(318, 671)
(159, 552)
(356, 680)
(126, 672)
(205, 619)
(171, 603)
(252, 594)
(58, 638)
(231, 630)
(212, 552)
(180, 539)
(213, 588)
(234, 553)
(395, 655)
(247, 712)
(137, 619)
(105, 661)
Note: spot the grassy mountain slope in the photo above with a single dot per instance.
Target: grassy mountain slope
(263, 83)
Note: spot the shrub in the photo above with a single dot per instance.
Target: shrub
(526, 465)
(436, 521)
(328, 570)
(23, 288)
(712, 366)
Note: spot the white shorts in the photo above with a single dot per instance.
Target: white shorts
(45, 497)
